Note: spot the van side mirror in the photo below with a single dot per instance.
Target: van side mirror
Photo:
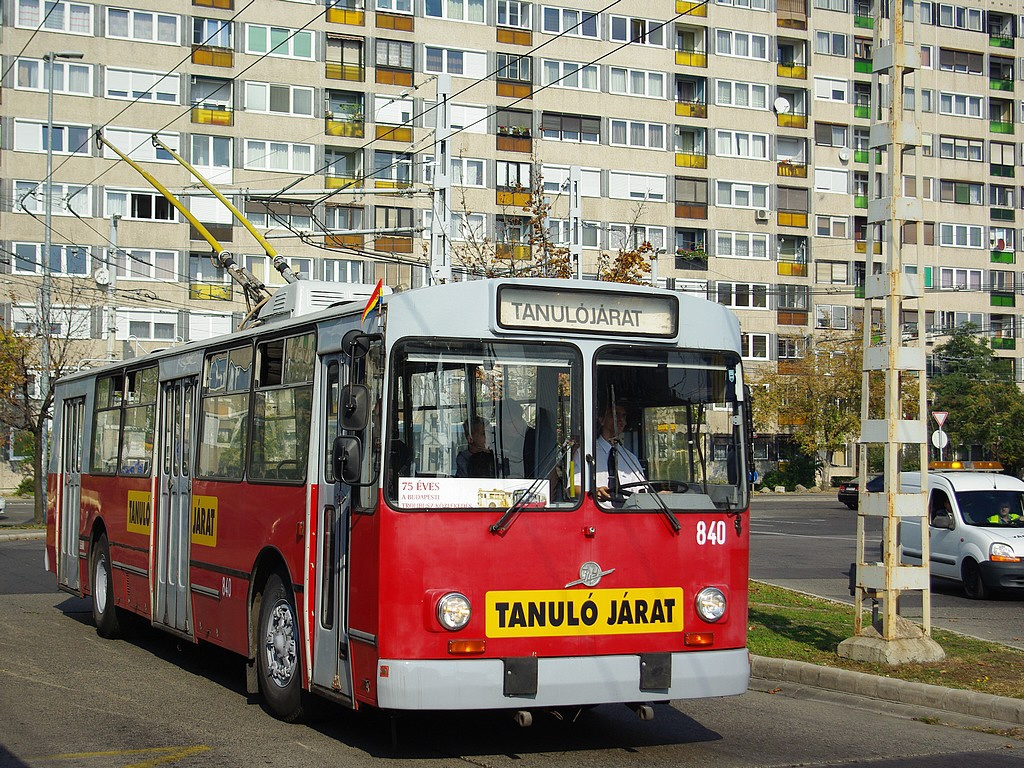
(346, 458)
(943, 520)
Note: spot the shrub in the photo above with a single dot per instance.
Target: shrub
(27, 486)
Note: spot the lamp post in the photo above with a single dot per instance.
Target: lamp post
(44, 304)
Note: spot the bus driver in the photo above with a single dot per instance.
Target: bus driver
(615, 465)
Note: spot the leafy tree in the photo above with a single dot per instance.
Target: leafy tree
(817, 396)
(985, 405)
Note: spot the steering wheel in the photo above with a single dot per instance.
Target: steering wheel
(674, 486)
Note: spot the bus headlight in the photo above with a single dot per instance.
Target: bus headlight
(1002, 553)
(711, 604)
(453, 611)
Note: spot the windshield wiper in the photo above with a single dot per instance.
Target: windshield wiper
(673, 521)
(505, 521)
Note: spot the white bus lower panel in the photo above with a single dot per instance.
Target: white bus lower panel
(480, 683)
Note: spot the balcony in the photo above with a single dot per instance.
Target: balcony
(794, 71)
(517, 198)
(1005, 171)
(691, 109)
(862, 66)
(401, 77)
(792, 170)
(691, 160)
(209, 292)
(392, 183)
(345, 16)
(1000, 84)
(343, 241)
(792, 268)
(1002, 257)
(793, 219)
(1000, 126)
(515, 36)
(864, 156)
(1003, 342)
(863, 22)
(791, 120)
(860, 201)
(513, 139)
(213, 114)
(347, 126)
(861, 246)
(509, 90)
(224, 5)
(1000, 41)
(400, 22)
(863, 111)
(393, 244)
(355, 73)
(394, 133)
(691, 59)
(691, 210)
(1001, 214)
(332, 181)
(791, 316)
(223, 233)
(212, 56)
(691, 9)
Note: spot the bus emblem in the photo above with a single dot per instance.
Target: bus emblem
(590, 575)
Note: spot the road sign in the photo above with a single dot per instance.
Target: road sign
(940, 417)
(940, 439)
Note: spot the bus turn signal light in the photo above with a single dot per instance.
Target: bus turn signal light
(467, 646)
(699, 638)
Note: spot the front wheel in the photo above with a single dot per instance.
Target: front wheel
(104, 614)
(974, 587)
(278, 655)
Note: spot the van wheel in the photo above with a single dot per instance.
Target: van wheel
(974, 587)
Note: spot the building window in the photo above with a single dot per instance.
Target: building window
(636, 82)
(513, 68)
(343, 270)
(142, 86)
(959, 104)
(965, 62)
(960, 235)
(456, 10)
(513, 175)
(464, 171)
(279, 42)
(394, 6)
(793, 297)
(66, 139)
(731, 93)
(559, 232)
(68, 78)
(754, 346)
(832, 316)
(569, 22)
(574, 128)
(72, 18)
(64, 259)
(744, 45)
(138, 145)
(742, 295)
(461, 63)
(143, 26)
(832, 272)
(392, 166)
(741, 194)
(830, 135)
(830, 43)
(394, 54)
(139, 206)
(629, 133)
(636, 186)
(274, 99)
(830, 89)
(753, 146)
(512, 13)
(144, 264)
(65, 322)
(832, 180)
(556, 180)
(741, 245)
(626, 237)
(791, 347)
(956, 148)
(951, 279)
(278, 156)
(212, 32)
(147, 326)
(65, 199)
(832, 226)
(211, 151)
(569, 74)
(625, 29)
(961, 192)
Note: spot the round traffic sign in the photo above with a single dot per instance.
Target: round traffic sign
(940, 439)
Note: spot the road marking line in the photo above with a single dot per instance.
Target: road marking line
(169, 755)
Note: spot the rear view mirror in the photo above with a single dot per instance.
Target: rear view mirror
(346, 459)
(355, 406)
(943, 520)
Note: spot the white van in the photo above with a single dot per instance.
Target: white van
(969, 543)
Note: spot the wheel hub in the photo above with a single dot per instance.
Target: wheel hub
(279, 644)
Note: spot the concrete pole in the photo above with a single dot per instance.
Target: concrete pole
(111, 307)
(576, 220)
(441, 226)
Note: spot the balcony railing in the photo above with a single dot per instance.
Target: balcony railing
(212, 56)
(792, 268)
(335, 181)
(862, 111)
(793, 219)
(400, 22)
(997, 169)
(1000, 84)
(209, 292)
(515, 36)
(348, 126)
(351, 72)
(691, 160)
(351, 16)
(863, 22)
(343, 241)
(791, 169)
(517, 198)
(691, 9)
(863, 66)
(794, 71)
(213, 114)
(1000, 126)
(1003, 342)
(393, 244)
(1001, 299)
(691, 210)
(1001, 214)
(1000, 41)
(685, 58)
(1002, 257)
(691, 109)
(224, 5)
(394, 133)
(511, 90)
(512, 251)
(791, 120)
(860, 201)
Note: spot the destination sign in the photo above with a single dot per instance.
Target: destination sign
(559, 612)
(626, 314)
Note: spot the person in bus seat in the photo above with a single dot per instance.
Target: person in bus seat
(515, 441)
(614, 464)
(476, 459)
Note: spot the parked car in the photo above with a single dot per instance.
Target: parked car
(849, 495)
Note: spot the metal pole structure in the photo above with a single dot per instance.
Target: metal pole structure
(111, 285)
(441, 226)
(44, 304)
(576, 219)
(894, 639)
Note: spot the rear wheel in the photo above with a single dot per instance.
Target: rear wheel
(104, 614)
(278, 655)
(974, 587)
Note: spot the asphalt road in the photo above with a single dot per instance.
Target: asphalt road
(807, 542)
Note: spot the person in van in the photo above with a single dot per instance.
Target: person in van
(1004, 516)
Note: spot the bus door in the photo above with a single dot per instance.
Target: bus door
(171, 606)
(71, 492)
(330, 665)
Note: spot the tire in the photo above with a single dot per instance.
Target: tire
(278, 654)
(104, 614)
(974, 587)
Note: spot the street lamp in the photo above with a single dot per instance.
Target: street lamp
(44, 305)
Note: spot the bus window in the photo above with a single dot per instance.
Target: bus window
(502, 412)
(139, 421)
(684, 426)
(225, 413)
(106, 431)
(282, 409)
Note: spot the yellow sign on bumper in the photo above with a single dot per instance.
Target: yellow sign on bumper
(555, 612)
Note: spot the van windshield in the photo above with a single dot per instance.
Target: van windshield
(984, 507)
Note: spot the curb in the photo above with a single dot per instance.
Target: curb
(21, 535)
(983, 705)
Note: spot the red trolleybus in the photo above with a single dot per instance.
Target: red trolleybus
(304, 493)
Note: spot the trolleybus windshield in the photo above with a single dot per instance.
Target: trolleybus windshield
(684, 427)
(482, 425)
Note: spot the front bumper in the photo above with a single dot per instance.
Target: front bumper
(450, 684)
(1002, 575)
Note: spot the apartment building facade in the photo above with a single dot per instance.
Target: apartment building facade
(731, 134)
